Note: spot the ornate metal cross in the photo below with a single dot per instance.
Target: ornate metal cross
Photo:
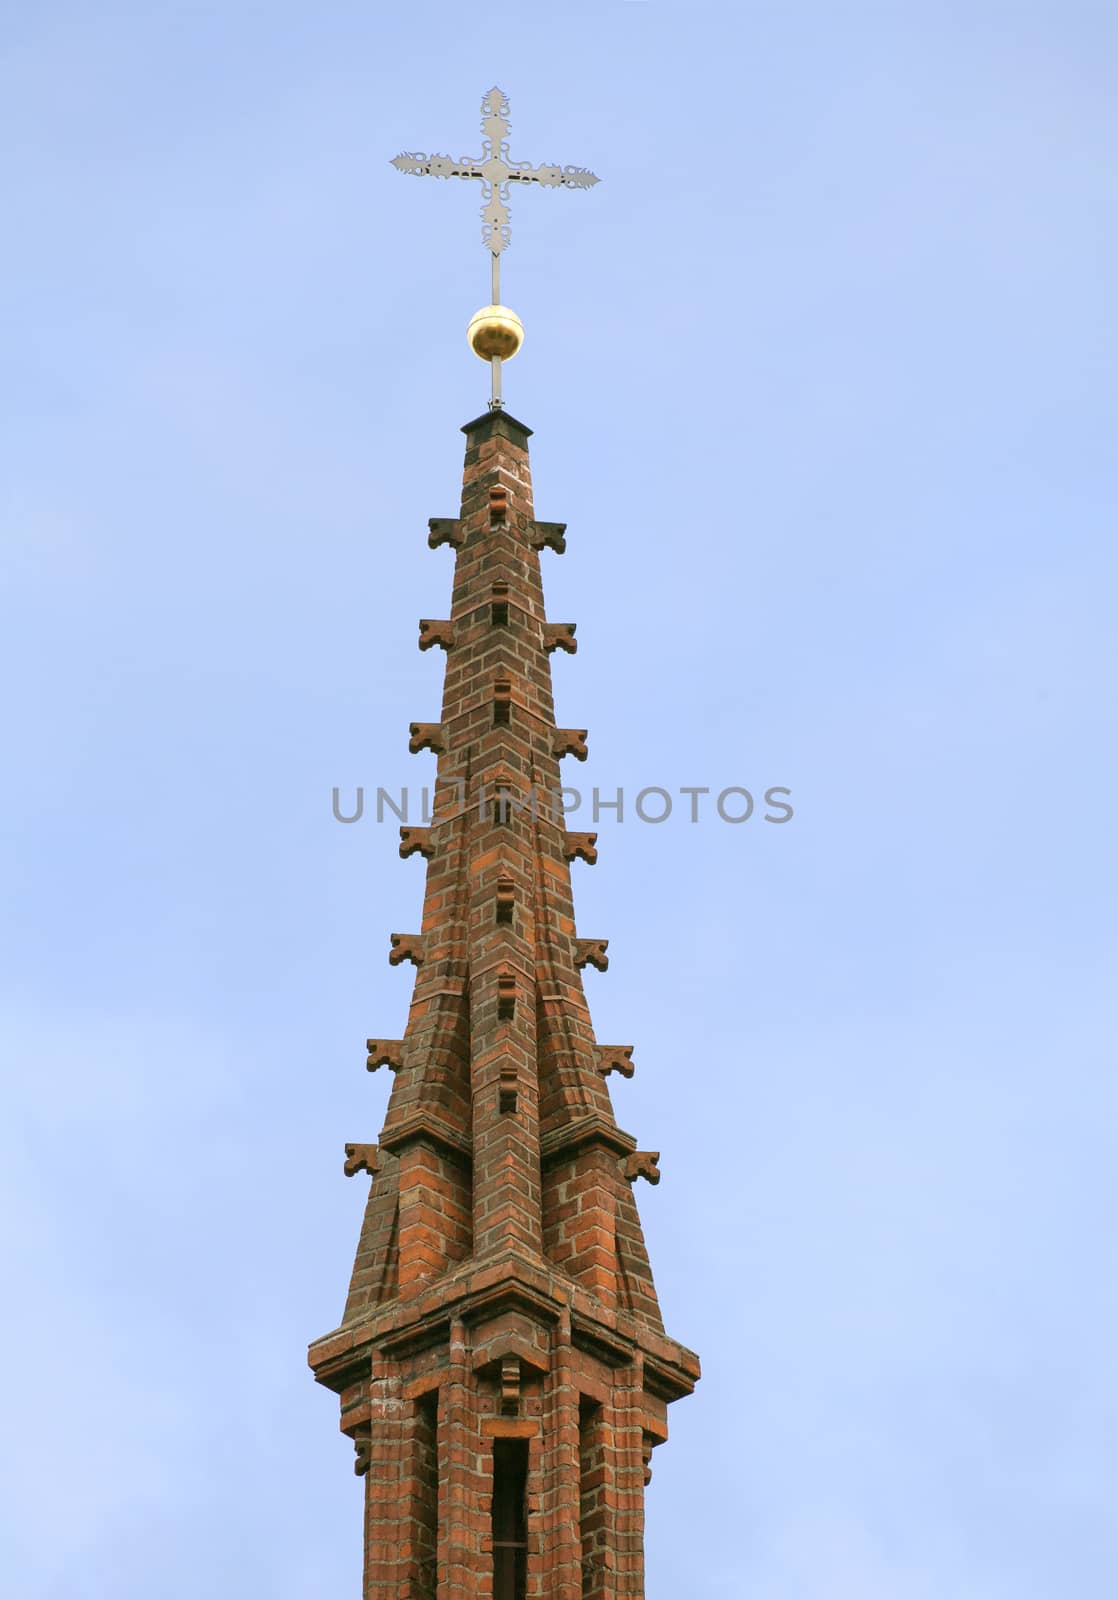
(496, 171)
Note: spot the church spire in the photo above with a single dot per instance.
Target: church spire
(502, 1364)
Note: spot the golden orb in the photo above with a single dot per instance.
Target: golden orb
(495, 331)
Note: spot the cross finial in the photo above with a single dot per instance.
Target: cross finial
(495, 333)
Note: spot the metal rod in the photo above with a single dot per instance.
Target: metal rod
(495, 287)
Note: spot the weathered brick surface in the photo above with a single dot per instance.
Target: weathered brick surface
(501, 1298)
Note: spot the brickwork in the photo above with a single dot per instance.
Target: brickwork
(502, 1335)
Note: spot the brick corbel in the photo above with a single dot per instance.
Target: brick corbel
(591, 953)
(505, 899)
(508, 1083)
(432, 633)
(571, 742)
(445, 530)
(506, 995)
(549, 536)
(615, 1058)
(560, 636)
(384, 1053)
(425, 736)
(498, 505)
(360, 1158)
(363, 1446)
(415, 841)
(406, 947)
(510, 1386)
(642, 1164)
(580, 847)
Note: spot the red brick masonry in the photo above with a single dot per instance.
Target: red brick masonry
(501, 1313)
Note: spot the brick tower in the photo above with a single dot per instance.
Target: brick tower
(502, 1364)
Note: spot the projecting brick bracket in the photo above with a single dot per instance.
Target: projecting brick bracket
(560, 636)
(416, 841)
(642, 1164)
(591, 953)
(506, 996)
(363, 1446)
(406, 947)
(498, 505)
(510, 1386)
(580, 847)
(548, 536)
(433, 633)
(385, 1053)
(505, 899)
(616, 1058)
(498, 1346)
(425, 736)
(445, 530)
(571, 742)
(360, 1158)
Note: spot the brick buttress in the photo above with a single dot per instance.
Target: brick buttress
(502, 1365)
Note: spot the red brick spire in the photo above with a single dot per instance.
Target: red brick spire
(502, 1364)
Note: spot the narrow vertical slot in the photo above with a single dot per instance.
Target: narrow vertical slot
(506, 900)
(425, 1444)
(502, 703)
(592, 1511)
(510, 1519)
(499, 607)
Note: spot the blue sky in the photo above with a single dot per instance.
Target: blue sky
(822, 378)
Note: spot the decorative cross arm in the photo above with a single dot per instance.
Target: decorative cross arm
(495, 170)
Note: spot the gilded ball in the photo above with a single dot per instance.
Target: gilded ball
(495, 331)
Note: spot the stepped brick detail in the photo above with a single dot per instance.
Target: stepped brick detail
(571, 742)
(592, 953)
(385, 1053)
(580, 847)
(501, 1364)
(559, 636)
(611, 1058)
(416, 841)
(435, 633)
(426, 736)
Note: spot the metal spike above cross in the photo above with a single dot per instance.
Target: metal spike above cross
(495, 333)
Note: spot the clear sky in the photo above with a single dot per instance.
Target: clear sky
(822, 378)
